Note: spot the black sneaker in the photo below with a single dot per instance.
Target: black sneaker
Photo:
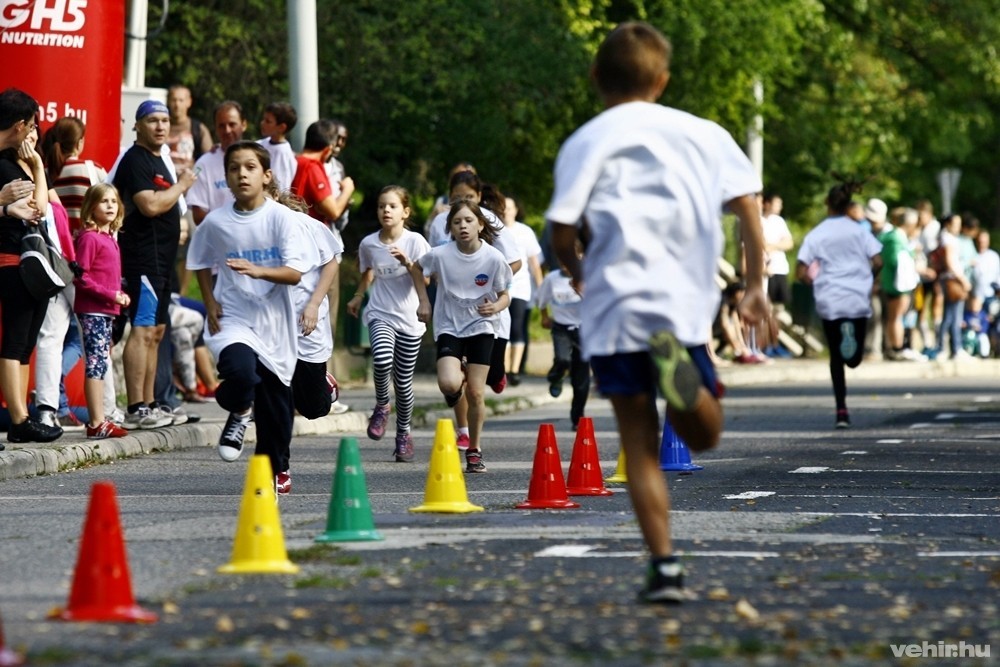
(231, 440)
(843, 420)
(679, 378)
(31, 430)
(555, 388)
(664, 583)
(474, 461)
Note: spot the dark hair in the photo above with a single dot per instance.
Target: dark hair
(59, 142)
(487, 233)
(468, 178)
(631, 59)
(320, 134)
(491, 198)
(262, 155)
(16, 105)
(228, 104)
(839, 198)
(284, 113)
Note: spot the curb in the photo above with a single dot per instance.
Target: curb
(21, 462)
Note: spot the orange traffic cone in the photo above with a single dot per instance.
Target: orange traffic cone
(548, 486)
(585, 476)
(7, 657)
(102, 585)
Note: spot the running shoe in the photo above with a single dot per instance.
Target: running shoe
(378, 420)
(679, 378)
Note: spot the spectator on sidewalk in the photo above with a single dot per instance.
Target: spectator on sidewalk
(278, 119)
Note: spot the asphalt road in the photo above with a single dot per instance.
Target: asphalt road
(803, 545)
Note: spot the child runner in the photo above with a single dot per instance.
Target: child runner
(99, 296)
(556, 291)
(472, 278)
(385, 259)
(259, 250)
(467, 186)
(278, 119)
(646, 184)
(313, 387)
(837, 258)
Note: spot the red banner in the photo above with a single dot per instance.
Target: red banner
(69, 55)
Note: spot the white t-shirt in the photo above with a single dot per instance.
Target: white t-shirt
(557, 294)
(392, 298)
(775, 229)
(258, 313)
(843, 250)
(527, 244)
(464, 282)
(283, 163)
(985, 272)
(650, 181)
(504, 242)
(210, 191)
(318, 345)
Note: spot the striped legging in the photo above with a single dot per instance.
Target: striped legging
(394, 354)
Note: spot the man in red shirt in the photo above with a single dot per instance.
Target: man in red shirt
(311, 182)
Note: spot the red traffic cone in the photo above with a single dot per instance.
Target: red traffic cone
(548, 486)
(585, 476)
(102, 585)
(674, 454)
(7, 657)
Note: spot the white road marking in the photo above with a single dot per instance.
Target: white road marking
(895, 470)
(958, 554)
(859, 452)
(746, 495)
(921, 425)
(888, 441)
(585, 551)
(946, 415)
(807, 470)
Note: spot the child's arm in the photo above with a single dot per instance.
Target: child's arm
(354, 305)
(213, 310)
(281, 275)
(420, 284)
(492, 308)
(564, 239)
(310, 314)
(546, 320)
(754, 308)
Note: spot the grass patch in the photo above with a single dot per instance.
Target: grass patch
(317, 553)
(323, 581)
(371, 573)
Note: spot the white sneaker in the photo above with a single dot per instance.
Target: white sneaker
(48, 417)
(177, 415)
(144, 418)
(117, 417)
(338, 408)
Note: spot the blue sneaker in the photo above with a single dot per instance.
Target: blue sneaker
(848, 345)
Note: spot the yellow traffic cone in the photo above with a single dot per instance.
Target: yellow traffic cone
(619, 477)
(445, 490)
(259, 546)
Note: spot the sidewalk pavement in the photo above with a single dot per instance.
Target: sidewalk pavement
(74, 450)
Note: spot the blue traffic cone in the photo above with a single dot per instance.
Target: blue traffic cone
(674, 454)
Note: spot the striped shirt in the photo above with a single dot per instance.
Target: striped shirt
(72, 184)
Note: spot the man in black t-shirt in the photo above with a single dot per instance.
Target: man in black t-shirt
(148, 240)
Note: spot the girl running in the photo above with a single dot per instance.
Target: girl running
(385, 259)
(472, 279)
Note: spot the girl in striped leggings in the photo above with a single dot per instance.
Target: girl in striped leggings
(385, 258)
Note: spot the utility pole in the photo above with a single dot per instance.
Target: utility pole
(303, 66)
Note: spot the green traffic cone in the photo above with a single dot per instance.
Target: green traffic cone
(349, 518)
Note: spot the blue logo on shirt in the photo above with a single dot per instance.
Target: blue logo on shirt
(258, 256)
(482, 279)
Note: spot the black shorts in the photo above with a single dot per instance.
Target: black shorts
(475, 349)
(311, 392)
(777, 289)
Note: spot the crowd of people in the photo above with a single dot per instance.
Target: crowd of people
(258, 228)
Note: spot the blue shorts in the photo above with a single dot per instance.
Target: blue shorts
(631, 373)
(150, 300)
